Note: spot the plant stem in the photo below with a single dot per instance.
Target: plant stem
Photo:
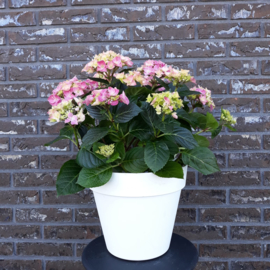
(76, 137)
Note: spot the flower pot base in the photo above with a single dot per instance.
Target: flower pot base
(182, 255)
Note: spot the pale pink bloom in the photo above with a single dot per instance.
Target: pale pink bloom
(112, 92)
(212, 107)
(57, 89)
(193, 80)
(117, 61)
(54, 100)
(129, 63)
(89, 99)
(74, 79)
(68, 95)
(161, 89)
(167, 101)
(54, 115)
(72, 119)
(101, 66)
(110, 65)
(174, 115)
(171, 108)
(113, 102)
(153, 101)
(123, 98)
(80, 116)
(77, 91)
(66, 85)
(129, 80)
(102, 97)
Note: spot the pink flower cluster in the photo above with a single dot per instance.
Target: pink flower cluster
(145, 75)
(71, 89)
(107, 62)
(205, 97)
(106, 96)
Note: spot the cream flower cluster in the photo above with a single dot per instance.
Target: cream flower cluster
(145, 75)
(205, 96)
(227, 117)
(106, 150)
(165, 102)
(106, 62)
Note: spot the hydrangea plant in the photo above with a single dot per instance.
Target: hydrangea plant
(131, 120)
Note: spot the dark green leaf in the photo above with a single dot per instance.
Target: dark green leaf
(149, 114)
(194, 119)
(165, 126)
(211, 121)
(184, 91)
(201, 140)
(88, 159)
(96, 112)
(162, 83)
(173, 148)
(67, 178)
(230, 127)
(171, 170)
(134, 160)
(201, 159)
(183, 137)
(137, 91)
(125, 113)
(216, 131)
(93, 135)
(156, 155)
(140, 129)
(96, 177)
(120, 148)
(113, 157)
(65, 133)
(99, 80)
(82, 130)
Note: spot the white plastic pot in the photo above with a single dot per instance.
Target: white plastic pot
(137, 213)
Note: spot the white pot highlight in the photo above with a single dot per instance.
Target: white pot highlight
(137, 213)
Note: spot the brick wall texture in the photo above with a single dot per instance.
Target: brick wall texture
(225, 44)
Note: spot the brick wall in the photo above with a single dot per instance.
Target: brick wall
(226, 46)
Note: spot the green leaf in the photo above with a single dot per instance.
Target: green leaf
(88, 159)
(125, 113)
(67, 178)
(93, 135)
(140, 129)
(230, 127)
(99, 80)
(137, 91)
(194, 119)
(183, 137)
(82, 130)
(171, 170)
(120, 148)
(113, 157)
(134, 160)
(149, 114)
(96, 112)
(162, 83)
(96, 177)
(201, 159)
(173, 148)
(165, 126)
(201, 140)
(156, 155)
(65, 133)
(211, 121)
(215, 132)
(184, 91)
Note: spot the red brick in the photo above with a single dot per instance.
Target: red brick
(29, 108)
(43, 215)
(164, 32)
(71, 232)
(17, 19)
(4, 144)
(227, 67)
(266, 67)
(19, 232)
(19, 197)
(64, 265)
(37, 36)
(253, 124)
(44, 179)
(67, 16)
(36, 3)
(41, 72)
(250, 86)
(54, 161)
(11, 162)
(18, 91)
(46, 127)
(250, 265)
(99, 2)
(88, 34)
(132, 14)
(196, 12)
(4, 179)
(191, 49)
(18, 264)
(212, 266)
(6, 214)
(229, 30)
(255, 196)
(64, 53)
(250, 11)
(250, 48)
(3, 110)
(18, 127)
